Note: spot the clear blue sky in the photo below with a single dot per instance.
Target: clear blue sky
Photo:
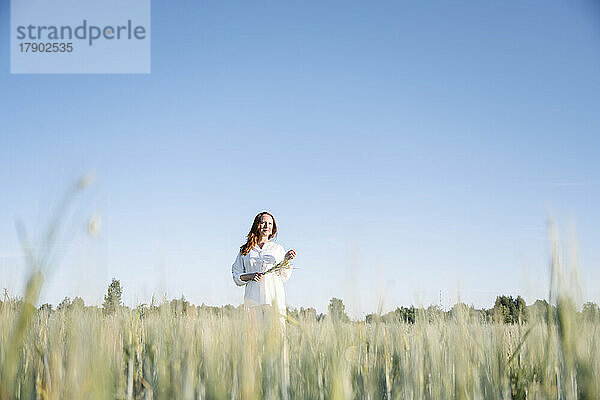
(406, 149)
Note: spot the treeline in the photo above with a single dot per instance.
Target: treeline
(506, 309)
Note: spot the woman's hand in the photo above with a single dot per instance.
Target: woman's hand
(257, 276)
(290, 254)
(254, 276)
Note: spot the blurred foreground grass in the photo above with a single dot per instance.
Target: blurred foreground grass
(80, 353)
(159, 353)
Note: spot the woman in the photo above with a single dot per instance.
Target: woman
(256, 256)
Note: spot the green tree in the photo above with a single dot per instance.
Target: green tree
(180, 306)
(46, 308)
(112, 299)
(78, 303)
(337, 310)
(591, 311)
(434, 313)
(540, 309)
(372, 318)
(407, 315)
(510, 310)
(64, 305)
(460, 309)
(308, 313)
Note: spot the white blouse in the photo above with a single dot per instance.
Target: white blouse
(270, 288)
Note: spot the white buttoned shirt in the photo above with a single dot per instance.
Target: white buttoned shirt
(270, 288)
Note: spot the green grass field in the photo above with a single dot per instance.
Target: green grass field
(160, 353)
(82, 354)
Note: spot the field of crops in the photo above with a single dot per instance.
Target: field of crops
(161, 352)
(83, 354)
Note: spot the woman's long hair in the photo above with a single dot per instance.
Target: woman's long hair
(253, 234)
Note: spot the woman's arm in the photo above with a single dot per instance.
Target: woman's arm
(256, 276)
(240, 277)
(286, 273)
(238, 270)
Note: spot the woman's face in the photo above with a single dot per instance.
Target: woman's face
(265, 227)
